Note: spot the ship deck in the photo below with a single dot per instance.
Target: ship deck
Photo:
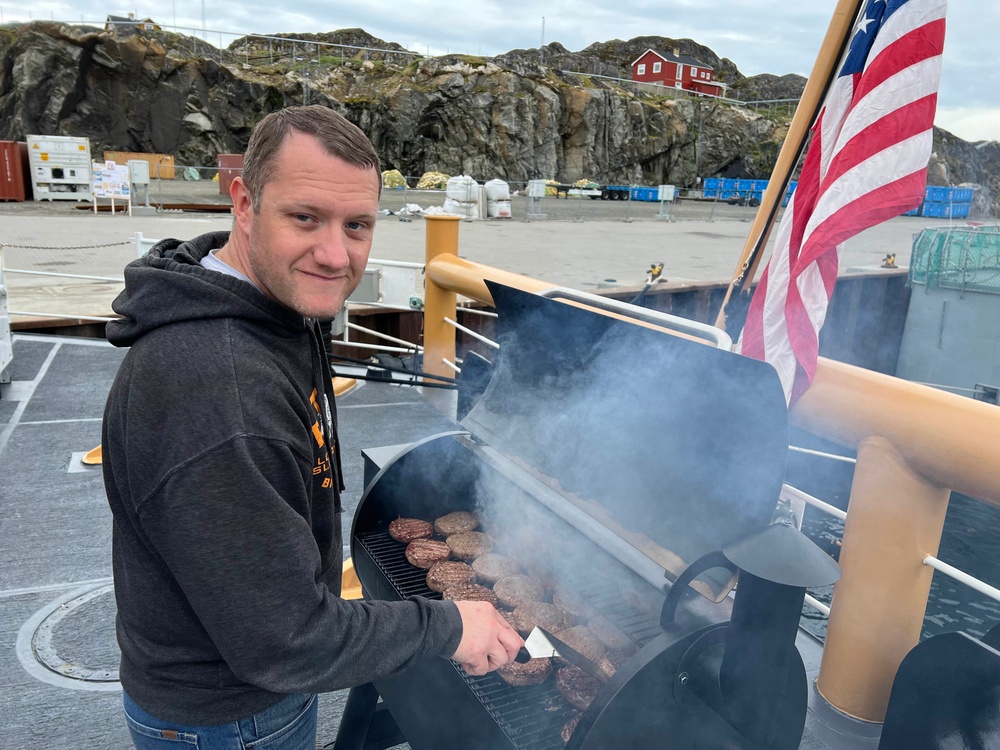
(57, 644)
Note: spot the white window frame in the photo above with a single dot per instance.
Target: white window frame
(657, 67)
(640, 69)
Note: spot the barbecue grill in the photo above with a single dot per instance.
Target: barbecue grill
(640, 470)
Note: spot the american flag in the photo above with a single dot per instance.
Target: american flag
(866, 163)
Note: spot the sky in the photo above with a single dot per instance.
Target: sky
(760, 36)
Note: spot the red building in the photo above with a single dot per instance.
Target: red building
(675, 70)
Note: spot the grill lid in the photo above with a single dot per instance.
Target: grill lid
(676, 446)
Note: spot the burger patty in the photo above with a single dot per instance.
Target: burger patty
(532, 672)
(608, 634)
(518, 589)
(452, 523)
(580, 639)
(468, 545)
(491, 567)
(405, 530)
(469, 592)
(423, 553)
(448, 572)
(552, 617)
(568, 728)
(575, 604)
(577, 687)
(611, 661)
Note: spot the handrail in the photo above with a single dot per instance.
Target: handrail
(949, 440)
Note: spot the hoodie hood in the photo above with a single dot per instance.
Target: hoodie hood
(169, 285)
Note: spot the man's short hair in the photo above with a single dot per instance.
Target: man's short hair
(338, 136)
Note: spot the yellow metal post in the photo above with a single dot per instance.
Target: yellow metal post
(439, 336)
(894, 518)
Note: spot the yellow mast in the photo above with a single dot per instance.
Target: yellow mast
(838, 36)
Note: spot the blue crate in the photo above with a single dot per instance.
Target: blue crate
(711, 183)
(961, 210)
(645, 194)
(915, 211)
(729, 184)
(711, 192)
(725, 194)
(744, 186)
(963, 195)
(938, 210)
(936, 194)
(759, 186)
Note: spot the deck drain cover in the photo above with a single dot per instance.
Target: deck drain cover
(77, 639)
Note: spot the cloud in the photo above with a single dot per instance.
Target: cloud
(969, 123)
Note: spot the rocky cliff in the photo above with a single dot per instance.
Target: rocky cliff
(511, 117)
(547, 113)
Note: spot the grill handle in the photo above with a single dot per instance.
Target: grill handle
(701, 331)
(712, 560)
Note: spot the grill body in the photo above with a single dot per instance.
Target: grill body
(609, 487)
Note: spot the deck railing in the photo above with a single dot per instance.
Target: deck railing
(914, 446)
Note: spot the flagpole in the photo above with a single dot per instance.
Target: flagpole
(837, 38)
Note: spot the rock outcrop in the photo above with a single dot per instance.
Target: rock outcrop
(511, 117)
(547, 113)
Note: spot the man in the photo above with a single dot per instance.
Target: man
(222, 466)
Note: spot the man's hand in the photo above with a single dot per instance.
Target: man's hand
(488, 640)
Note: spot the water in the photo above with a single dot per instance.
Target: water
(970, 541)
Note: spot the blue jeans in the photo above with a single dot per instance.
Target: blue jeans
(290, 724)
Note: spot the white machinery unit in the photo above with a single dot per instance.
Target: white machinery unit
(60, 167)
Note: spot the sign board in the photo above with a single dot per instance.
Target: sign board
(667, 192)
(110, 180)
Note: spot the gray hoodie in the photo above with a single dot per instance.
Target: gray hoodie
(222, 471)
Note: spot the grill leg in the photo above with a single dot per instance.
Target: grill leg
(366, 725)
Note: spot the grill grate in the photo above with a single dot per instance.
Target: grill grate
(390, 557)
(530, 716)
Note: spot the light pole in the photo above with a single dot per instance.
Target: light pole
(541, 47)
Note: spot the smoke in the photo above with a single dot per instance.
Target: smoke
(676, 447)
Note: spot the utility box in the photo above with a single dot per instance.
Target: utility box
(138, 172)
(60, 167)
(536, 188)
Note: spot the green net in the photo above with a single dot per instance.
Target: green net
(957, 258)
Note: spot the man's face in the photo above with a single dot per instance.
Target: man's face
(308, 245)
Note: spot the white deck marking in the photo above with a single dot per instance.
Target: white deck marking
(29, 391)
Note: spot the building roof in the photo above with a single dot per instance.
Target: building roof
(670, 57)
(128, 20)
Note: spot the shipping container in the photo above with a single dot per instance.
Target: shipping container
(15, 179)
(60, 168)
(230, 166)
(161, 166)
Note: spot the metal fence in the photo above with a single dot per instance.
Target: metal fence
(966, 258)
(206, 188)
